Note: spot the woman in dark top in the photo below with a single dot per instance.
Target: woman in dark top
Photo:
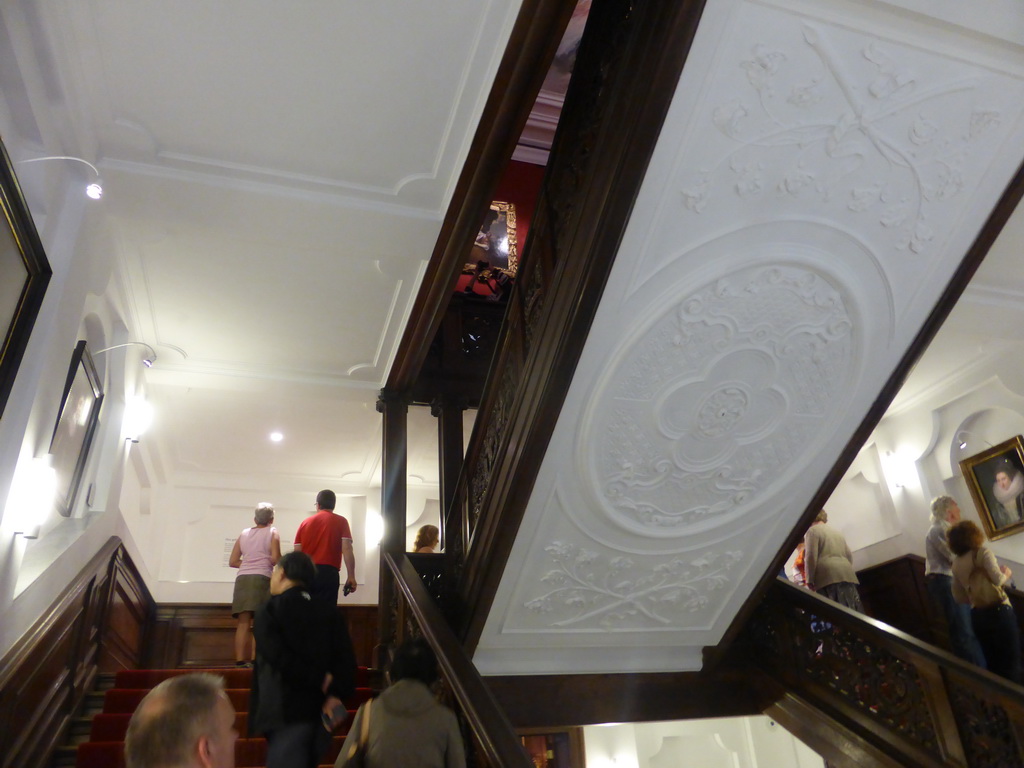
(305, 666)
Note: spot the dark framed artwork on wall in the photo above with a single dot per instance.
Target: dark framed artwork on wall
(24, 275)
(554, 747)
(996, 480)
(76, 426)
(495, 243)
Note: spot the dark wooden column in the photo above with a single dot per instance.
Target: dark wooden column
(450, 450)
(395, 409)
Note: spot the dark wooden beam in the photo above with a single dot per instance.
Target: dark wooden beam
(549, 701)
(627, 69)
(528, 56)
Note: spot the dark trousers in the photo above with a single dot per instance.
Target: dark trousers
(326, 584)
(996, 630)
(297, 745)
(958, 618)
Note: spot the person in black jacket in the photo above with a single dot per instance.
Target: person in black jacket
(305, 666)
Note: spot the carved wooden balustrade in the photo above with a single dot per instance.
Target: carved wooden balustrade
(860, 692)
(489, 737)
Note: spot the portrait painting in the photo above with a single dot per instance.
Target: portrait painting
(76, 425)
(24, 274)
(495, 242)
(995, 478)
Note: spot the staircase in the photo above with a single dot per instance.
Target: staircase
(97, 738)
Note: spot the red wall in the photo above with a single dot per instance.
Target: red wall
(520, 184)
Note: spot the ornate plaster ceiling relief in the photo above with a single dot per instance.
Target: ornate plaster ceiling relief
(583, 589)
(889, 136)
(709, 406)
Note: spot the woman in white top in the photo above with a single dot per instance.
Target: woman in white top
(255, 554)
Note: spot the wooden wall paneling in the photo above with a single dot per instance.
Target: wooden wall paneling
(37, 701)
(127, 617)
(894, 592)
(44, 678)
(41, 676)
(202, 635)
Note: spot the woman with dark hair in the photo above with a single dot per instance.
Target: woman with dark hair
(978, 579)
(305, 666)
(407, 726)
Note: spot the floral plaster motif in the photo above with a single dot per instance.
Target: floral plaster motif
(720, 395)
(882, 136)
(588, 590)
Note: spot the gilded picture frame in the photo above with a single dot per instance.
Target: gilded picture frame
(76, 425)
(496, 242)
(24, 275)
(995, 478)
(554, 747)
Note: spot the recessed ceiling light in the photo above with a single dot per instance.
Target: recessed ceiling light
(276, 437)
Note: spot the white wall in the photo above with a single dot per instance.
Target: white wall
(913, 455)
(732, 742)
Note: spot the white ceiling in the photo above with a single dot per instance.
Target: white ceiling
(275, 176)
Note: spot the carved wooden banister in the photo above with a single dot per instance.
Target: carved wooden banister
(850, 684)
(417, 612)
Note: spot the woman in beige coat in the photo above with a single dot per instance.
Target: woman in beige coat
(829, 564)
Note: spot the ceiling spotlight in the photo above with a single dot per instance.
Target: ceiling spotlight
(146, 361)
(276, 437)
(93, 190)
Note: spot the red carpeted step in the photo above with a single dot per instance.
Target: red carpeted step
(112, 727)
(150, 678)
(249, 753)
(127, 699)
(233, 677)
(100, 754)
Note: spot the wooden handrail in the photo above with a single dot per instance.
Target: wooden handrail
(879, 687)
(496, 738)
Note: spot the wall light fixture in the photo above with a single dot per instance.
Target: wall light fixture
(146, 361)
(93, 190)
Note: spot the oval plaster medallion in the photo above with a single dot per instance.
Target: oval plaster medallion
(711, 404)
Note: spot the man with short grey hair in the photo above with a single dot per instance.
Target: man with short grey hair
(938, 581)
(185, 722)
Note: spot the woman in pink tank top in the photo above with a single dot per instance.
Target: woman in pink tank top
(255, 554)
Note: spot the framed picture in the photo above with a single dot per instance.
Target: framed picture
(76, 425)
(996, 480)
(495, 243)
(554, 747)
(24, 275)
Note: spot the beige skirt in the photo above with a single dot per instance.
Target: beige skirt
(251, 591)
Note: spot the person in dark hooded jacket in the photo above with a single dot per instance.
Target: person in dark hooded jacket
(305, 666)
(409, 727)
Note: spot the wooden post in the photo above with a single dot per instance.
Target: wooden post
(450, 451)
(394, 408)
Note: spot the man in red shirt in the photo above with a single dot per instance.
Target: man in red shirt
(327, 539)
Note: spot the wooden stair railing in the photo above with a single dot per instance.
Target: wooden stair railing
(862, 693)
(494, 742)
